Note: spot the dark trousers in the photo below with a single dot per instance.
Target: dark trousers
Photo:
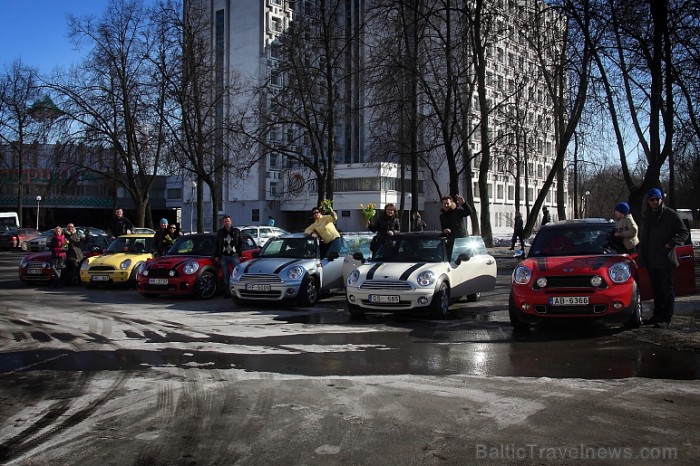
(664, 298)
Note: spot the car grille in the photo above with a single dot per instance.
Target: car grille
(160, 273)
(273, 294)
(394, 285)
(102, 268)
(564, 310)
(260, 277)
(576, 281)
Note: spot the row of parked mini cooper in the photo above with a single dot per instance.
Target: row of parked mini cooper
(571, 271)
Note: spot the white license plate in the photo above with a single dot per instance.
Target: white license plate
(375, 298)
(34, 271)
(157, 281)
(257, 287)
(568, 301)
(100, 278)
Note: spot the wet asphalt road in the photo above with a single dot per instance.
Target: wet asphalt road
(478, 340)
(87, 371)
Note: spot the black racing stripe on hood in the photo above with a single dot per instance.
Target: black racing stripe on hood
(541, 263)
(285, 265)
(410, 270)
(248, 265)
(370, 274)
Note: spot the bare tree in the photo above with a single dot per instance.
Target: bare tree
(308, 97)
(115, 99)
(21, 123)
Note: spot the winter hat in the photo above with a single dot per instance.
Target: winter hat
(163, 220)
(655, 193)
(623, 208)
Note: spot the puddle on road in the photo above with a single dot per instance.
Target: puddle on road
(420, 348)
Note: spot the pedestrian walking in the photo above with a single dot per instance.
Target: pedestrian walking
(518, 232)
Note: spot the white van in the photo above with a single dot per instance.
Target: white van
(8, 221)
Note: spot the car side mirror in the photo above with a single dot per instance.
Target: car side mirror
(464, 257)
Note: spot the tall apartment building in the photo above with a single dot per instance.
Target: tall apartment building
(244, 41)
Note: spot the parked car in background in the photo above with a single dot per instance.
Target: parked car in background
(39, 243)
(262, 233)
(119, 264)
(35, 268)
(187, 268)
(290, 268)
(573, 272)
(18, 238)
(413, 272)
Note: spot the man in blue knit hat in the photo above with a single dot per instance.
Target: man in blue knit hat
(626, 229)
(662, 230)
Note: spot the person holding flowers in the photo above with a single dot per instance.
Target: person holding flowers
(323, 226)
(385, 224)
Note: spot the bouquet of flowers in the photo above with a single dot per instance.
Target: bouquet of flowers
(368, 212)
(327, 205)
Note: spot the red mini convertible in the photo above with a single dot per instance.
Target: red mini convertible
(573, 271)
(188, 268)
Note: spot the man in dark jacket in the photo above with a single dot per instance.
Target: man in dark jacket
(662, 230)
(120, 225)
(74, 254)
(229, 245)
(452, 219)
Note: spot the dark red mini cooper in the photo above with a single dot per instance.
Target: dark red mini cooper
(188, 268)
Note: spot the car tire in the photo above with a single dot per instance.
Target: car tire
(635, 320)
(308, 292)
(440, 307)
(472, 298)
(356, 312)
(518, 325)
(205, 287)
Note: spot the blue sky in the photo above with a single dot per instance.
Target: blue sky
(36, 31)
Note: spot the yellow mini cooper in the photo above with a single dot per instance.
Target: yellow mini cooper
(120, 264)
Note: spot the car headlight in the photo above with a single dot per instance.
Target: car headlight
(522, 275)
(23, 263)
(125, 264)
(296, 272)
(191, 267)
(620, 272)
(236, 273)
(353, 277)
(145, 272)
(426, 278)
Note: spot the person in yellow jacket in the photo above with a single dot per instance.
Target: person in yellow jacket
(323, 227)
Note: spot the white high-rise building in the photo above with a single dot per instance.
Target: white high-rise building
(243, 38)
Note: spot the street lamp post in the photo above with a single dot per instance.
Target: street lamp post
(38, 202)
(585, 204)
(194, 186)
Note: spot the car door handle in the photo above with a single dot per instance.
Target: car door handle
(688, 256)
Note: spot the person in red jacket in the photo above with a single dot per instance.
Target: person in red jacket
(59, 248)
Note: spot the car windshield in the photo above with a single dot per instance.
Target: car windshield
(193, 246)
(579, 240)
(412, 249)
(129, 245)
(293, 248)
